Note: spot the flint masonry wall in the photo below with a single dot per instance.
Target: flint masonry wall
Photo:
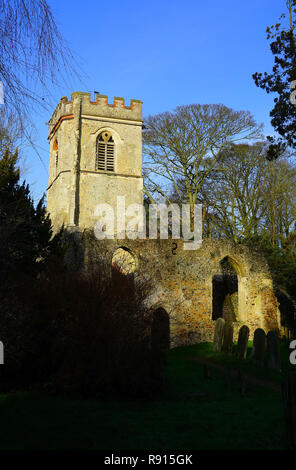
(182, 283)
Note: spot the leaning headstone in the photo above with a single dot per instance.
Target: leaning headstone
(242, 344)
(228, 338)
(273, 351)
(259, 346)
(289, 402)
(219, 334)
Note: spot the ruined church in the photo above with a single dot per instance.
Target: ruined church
(95, 156)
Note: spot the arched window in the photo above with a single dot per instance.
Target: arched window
(105, 152)
(124, 265)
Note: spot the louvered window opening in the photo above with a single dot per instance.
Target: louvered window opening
(105, 152)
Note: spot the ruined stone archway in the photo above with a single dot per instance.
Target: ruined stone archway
(229, 289)
(184, 280)
(124, 265)
(225, 292)
(124, 261)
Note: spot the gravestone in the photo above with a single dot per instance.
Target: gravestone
(259, 346)
(242, 344)
(228, 338)
(273, 351)
(219, 334)
(289, 402)
(229, 306)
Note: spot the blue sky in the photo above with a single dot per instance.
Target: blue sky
(165, 53)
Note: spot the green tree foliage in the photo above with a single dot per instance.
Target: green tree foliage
(25, 231)
(283, 47)
(282, 262)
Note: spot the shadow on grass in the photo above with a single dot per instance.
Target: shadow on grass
(193, 412)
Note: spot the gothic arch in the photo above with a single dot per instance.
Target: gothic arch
(241, 273)
(116, 136)
(105, 152)
(239, 265)
(118, 141)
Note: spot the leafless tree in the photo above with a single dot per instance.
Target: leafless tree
(33, 57)
(182, 148)
(250, 196)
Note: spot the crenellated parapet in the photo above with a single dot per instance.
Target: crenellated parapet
(100, 108)
(102, 100)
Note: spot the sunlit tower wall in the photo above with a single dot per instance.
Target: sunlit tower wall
(95, 155)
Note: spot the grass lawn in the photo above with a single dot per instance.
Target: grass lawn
(192, 413)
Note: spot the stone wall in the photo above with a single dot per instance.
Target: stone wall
(182, 282)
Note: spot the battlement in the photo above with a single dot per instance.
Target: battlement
(99, 108)
(102, 100)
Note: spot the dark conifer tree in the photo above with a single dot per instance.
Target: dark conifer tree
(283, 115)
(25, 231)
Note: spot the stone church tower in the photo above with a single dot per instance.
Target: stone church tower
(95, 156)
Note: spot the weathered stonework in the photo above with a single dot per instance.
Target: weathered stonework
(75, 186)
(182, 283)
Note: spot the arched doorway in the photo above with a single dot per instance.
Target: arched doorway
(287, 308)
(225, 291)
